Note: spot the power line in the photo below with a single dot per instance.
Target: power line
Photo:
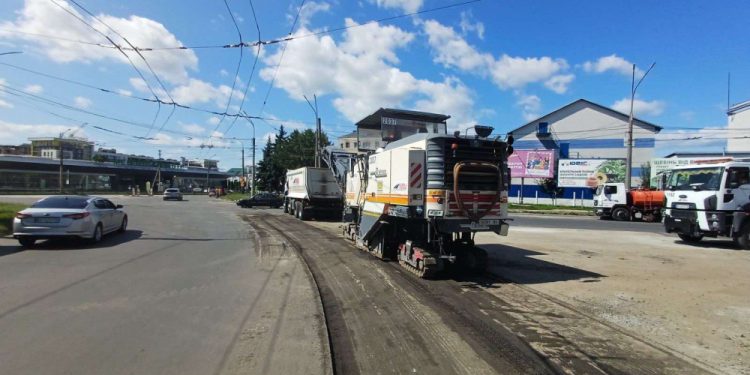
(244, 44)
(13, 91)
(283, 50)
(237, 70)
(252, 71)
(130, 61)
(156, 76)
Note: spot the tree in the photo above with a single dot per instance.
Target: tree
(286, 152)
(549, 186)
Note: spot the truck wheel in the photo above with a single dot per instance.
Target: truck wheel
(286, 208)
(621, 214)
(298, 210)
(690, 238)
(742, 238)
(304, 216)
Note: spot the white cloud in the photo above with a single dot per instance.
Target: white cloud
(559, 83)
(34, 89)
(14, 133)
(507, 72)
(408, 6)
(467, 24)
(41, 16)
(360, 73)
(193, 128)
(640, 107)
(530, 106)
(192, 92)
(124, 92)
(82, 102)
(611, 63)
(213, 120)
(223, 73)
(309, 9)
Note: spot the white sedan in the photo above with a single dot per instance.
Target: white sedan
(66, 216)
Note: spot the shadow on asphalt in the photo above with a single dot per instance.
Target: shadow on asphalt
(711, 244)
(110, 240)
(518, 265)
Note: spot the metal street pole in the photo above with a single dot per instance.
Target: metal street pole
(317, 129)
(60, 152)
(247, 117)
(629, 161)
(243, 166)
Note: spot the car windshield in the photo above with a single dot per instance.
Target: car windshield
(62, 202)
(708, 178)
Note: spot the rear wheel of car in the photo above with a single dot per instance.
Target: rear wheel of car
(690, 238)
(124, 225)
(621, 214)
(97, 236)
(27, 242)
(742, 238)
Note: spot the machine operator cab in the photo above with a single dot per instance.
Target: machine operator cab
(388, 125)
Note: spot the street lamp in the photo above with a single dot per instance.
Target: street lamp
(629, 162)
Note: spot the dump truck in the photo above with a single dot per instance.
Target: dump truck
(710, 199)
(312, 193)
(614, 201)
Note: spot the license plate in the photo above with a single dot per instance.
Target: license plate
(46, 220)
(682, 206)
(489, 222)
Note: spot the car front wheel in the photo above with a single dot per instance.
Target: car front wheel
(124, 225)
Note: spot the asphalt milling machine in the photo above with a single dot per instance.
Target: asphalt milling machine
(415, 194)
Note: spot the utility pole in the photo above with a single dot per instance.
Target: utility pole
(629, 161)
(244, 176)
(252, 187)
(60, 152)
(317, 129)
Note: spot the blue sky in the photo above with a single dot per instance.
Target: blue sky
(491, 62)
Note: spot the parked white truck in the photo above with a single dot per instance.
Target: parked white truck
(710, 199)
(312, 193)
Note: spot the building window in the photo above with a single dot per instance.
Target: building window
(347, 144)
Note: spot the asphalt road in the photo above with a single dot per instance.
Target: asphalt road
(184, 291)
(583, 222)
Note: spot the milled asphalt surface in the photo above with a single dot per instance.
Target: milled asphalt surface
(186, 290)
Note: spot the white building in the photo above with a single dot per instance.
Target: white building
(739, 126)
(583, 129)
(349, 143)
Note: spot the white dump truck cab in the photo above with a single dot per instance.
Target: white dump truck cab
(710, 199)
(609, 196)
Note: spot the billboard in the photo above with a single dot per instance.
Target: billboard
(589, 173)
(532, 164)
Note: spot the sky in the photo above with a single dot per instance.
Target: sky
(492, 62)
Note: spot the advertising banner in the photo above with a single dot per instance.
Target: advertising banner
(532, 164)
(589, 173)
